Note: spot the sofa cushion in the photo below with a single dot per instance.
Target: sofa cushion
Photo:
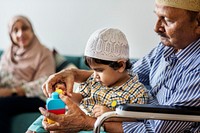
(60, 60)
(82, 64)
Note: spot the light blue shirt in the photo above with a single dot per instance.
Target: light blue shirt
(175, 80)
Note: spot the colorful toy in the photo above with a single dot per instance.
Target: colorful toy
(55, 105)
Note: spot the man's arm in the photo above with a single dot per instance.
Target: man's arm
(113, 127)
(81, 75)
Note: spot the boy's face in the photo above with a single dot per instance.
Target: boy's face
(106, 75)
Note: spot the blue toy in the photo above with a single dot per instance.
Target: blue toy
(55, 105)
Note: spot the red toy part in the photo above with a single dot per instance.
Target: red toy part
(58, 111)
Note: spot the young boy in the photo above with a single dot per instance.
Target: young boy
(107, 54)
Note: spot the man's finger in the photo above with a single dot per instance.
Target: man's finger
(70, 104)
(44, 90)
(69, 85)
(49, 115)
(66, 100)
(51, 81)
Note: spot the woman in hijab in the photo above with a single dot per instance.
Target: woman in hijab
(24, 66)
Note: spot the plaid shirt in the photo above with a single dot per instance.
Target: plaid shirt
(132, 91)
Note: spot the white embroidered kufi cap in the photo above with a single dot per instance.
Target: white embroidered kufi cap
(107, 44)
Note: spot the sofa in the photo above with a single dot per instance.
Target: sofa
(21, 122)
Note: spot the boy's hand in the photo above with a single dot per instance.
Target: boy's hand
(99, 110)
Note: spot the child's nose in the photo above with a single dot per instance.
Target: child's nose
(96, 76)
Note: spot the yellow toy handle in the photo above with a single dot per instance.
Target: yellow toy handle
(59, 91)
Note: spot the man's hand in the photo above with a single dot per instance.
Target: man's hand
(65, 76)
(75, 119)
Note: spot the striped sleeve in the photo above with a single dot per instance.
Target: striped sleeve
(188, 93)
(142, 67)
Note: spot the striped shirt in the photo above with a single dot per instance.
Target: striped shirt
(175, 80)
(132, 91)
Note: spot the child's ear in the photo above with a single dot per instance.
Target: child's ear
(122, 66)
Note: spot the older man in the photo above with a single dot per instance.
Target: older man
(172, 69)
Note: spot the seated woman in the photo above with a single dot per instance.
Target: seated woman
(24, 66)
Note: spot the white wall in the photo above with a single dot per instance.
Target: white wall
(67, 24)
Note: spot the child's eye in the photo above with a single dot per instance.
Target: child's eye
(98, 70)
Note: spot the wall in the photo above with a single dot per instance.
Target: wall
(67, 24)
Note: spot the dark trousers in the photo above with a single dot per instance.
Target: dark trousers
(11, 106)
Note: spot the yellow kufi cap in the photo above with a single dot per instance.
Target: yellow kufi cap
(191, 5)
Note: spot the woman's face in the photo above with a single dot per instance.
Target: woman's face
(22, 34)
